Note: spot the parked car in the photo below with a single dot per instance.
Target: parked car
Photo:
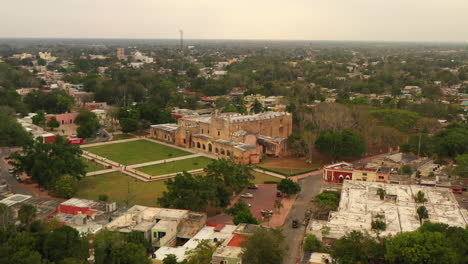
(279, 194)
(11, 170)
(18, 178)
(247, 195)
(252, 186)
(295, 223)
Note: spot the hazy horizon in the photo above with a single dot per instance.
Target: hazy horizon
(275, 20)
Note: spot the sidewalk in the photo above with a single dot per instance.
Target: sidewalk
(163, 161)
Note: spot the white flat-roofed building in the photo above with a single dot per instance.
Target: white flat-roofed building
(360, 205)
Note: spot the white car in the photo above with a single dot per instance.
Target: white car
(247, 195)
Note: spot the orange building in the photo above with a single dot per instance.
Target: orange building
(244, 137)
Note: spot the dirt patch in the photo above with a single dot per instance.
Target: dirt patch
(289, 164)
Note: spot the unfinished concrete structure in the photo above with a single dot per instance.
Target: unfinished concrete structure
(360, 205)
(160, 226)
(243, 137)
(226, 238)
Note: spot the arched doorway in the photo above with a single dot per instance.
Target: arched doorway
(210, 148)
(198, 144)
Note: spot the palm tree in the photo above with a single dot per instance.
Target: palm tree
(278, 205)
(420, 197)
(381, 193)
(26, 214)
(422, 213)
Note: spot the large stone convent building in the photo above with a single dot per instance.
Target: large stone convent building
(243, 137)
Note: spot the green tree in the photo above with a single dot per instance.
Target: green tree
(289, 187)
(381, 193)
(419, 247)
(12, 133)
(338, 144)
(422, 213)
(230, 175)
(66, 186)
(264, 246)
(39, 119)
(325, 202)
(461, 168)
(420, 197)
(6, 216)
(399, 119)
(452, 141)
(278, 205)
(357, 247)
(113, 247)
(53, 123)
(187, 191)
(65, 242)
(201, 254)
(241, 213)
(257, 106)
(312, 244)
(406, 169)
(88, 123)
(45, 163)
(129, 125)
(27, 214)
(170, 259)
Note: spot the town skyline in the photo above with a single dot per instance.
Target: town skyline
(358, 20)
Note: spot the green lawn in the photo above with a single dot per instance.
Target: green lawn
(135, 152)
(261, 177)
(176, 166)
(116, 186)
(92, 166)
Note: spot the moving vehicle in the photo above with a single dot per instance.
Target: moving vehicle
(295, 223)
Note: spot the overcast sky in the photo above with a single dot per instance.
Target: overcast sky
(392, 20)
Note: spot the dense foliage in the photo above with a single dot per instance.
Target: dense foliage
(431, 243)
(46, 163)
(264, 246)
(12, 133)
(196, 192)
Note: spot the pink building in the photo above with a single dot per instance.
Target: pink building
(64, 119)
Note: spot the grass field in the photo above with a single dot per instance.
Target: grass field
(92, 166)
(176, 166)
(261, 177)
(288, 164)
(116, 186)
(135, 152)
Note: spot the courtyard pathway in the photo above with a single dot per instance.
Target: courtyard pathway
(163, 161)
(270, 173)
(108, 142)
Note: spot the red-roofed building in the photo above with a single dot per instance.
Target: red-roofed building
(237, 240)
(338, 172)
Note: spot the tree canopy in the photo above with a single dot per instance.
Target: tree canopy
(12, 133)
(339, 144)
(46, 163)
(88, 124)
(264, 246)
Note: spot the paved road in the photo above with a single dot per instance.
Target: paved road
(13, 184)
(310, 188)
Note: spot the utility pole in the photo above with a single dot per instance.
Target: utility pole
(419, 144)
(181, 40)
